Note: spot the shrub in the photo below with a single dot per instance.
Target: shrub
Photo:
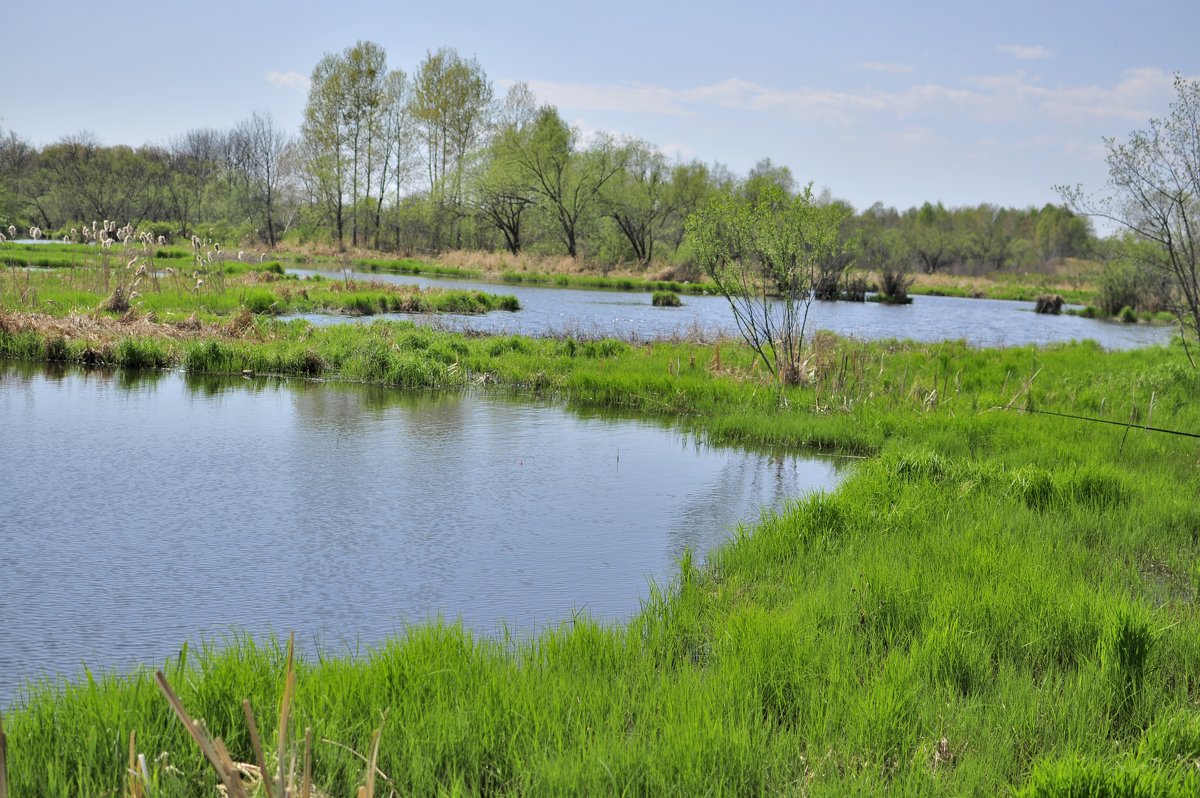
(665, 299)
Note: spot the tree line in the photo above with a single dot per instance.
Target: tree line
(437, 159)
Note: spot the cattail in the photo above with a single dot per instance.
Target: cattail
(239, 257)
(2, 238)
(162, 240)
(12, 231)
(199, 283)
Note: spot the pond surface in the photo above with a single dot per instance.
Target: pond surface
(140, 512)
(629, 315)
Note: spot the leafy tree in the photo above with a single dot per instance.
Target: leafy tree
(568, 180)
(639, 199)
(767, 173)
(344, 131)
(692, 183)
(365, 96)
(930, 238)
(325, 136)
(450, 105)
(1061, 234)
(503, 191)
(990, 236)
(399, 161)
(763, 254)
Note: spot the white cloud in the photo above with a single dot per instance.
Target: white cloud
(1015, 98)
(1025, 52)
(891, 69)
(291, 80)
(627, 98)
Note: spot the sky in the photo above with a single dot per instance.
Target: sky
(959, 102)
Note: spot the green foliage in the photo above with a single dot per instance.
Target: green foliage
(665, 299)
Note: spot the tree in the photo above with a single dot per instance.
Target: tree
(1061, 234)
(638, 198)
(17, 161)
(567, 179)
(1154, 192)
(503, 191)
(991, 235)
(929, 236)
(366, 88)
(767, 173)
(399, 163)
(194, 165)
(834, 261)
(890, 253)
(325, 134)
(451, 99)
(763, 254)
(266, 146)
(344, 130)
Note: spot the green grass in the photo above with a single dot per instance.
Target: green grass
(665, 299)
(993, 601)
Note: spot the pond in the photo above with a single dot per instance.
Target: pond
(143, 511)
(629, 315)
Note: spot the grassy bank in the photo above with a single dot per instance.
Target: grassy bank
(995, 600)
(223, 290)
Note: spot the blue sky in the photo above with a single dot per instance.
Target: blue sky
(896, 102)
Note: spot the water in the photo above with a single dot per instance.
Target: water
(140, 512)
(554, 311)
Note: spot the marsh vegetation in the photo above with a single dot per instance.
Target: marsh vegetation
(995, 599)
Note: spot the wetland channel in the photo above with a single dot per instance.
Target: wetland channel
(143, 510)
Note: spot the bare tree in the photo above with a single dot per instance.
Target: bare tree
(1154, 192)
(265, 145)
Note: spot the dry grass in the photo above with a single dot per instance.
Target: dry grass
(105, 329)
(980, 286)
(499, 262)
(496, 263)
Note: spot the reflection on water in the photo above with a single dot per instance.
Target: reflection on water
(142, 512)
(554, 311)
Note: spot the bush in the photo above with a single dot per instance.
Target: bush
(665, 299)
(894, 284)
